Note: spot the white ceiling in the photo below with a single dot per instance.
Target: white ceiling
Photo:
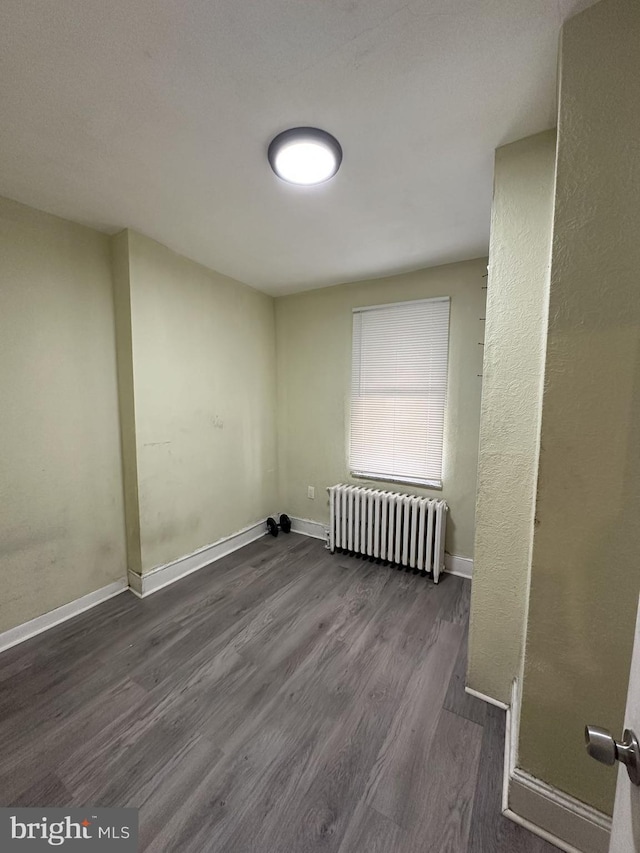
(156, 115)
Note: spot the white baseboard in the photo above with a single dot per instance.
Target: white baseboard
(486, 698)
(306, 527)
(541, 833)
(61, 614)
(461, 566)
(566, 822)
(511, 730)
(551, 814)
(161, 576)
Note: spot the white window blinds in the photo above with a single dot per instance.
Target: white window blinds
(398, 391)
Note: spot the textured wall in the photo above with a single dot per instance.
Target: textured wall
(61, 508)
(585, 578)
(314, 375)
(204, 402)
(517, 295)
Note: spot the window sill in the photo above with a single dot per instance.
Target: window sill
(423, 484)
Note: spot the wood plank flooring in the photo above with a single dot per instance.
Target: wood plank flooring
(283, 700)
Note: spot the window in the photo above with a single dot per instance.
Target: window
(399, 390)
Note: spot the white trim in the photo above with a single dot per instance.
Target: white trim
(454, 565)
(306, 527)
(551, 814)
(460, 566)
(389, 478)
(61, 614)
(547, 812)
(161, 576)
(541, 833)
(506, 762)
(401, 302)
(568, 823)
(510, 743)
(486, 698)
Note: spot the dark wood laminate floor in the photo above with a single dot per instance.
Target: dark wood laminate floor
(283, 700)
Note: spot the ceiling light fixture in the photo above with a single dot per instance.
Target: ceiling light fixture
(305, 155)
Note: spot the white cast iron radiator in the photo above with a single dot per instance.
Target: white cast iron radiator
(403, 530)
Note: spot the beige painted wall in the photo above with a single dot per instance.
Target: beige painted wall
(585, 577)
(61, 508)
(314, 373)
(517, 305)
(124, 339)
(204, 401)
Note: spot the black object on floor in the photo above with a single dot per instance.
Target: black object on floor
(274, 528)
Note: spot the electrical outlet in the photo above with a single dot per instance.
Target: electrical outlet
(311, 493)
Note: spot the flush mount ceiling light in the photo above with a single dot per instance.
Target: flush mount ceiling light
(305, 155)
